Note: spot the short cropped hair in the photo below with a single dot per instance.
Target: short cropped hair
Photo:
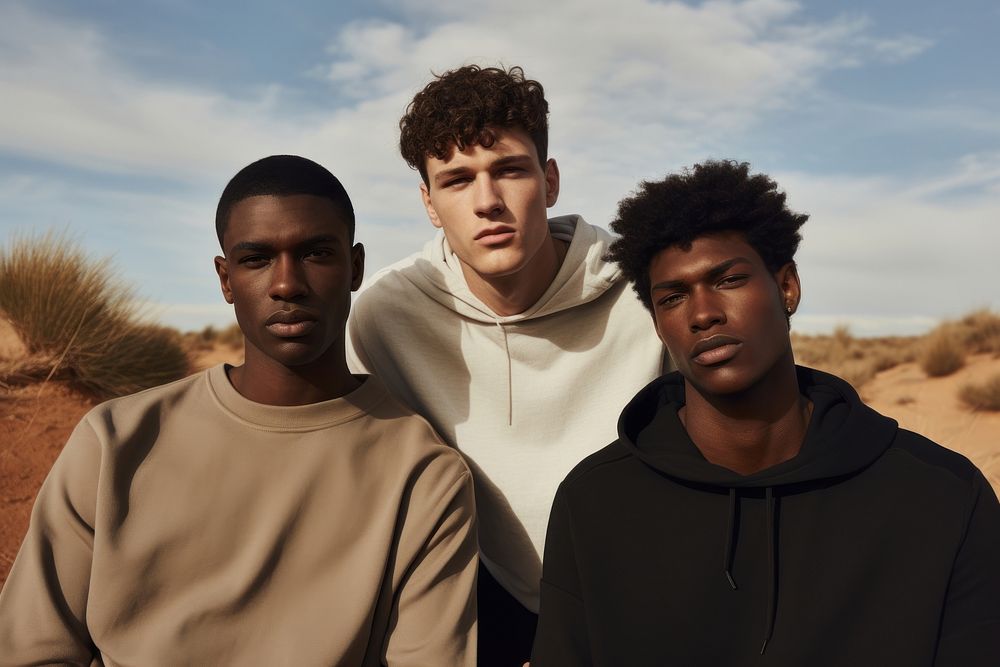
(281, 176)
(715, 196)
(460, 108)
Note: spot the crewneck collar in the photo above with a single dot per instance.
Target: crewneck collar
(293, 418)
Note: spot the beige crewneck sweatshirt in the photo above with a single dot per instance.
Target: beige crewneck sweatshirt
(186, 525)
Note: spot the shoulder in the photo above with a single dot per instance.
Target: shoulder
(101, 433)
(392, 279)
(403, 288)
(592, 472)
(125, 409)
(408, 438)
(948, 465)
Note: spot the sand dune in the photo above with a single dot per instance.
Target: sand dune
(930, 406)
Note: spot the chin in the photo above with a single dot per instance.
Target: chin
(507, 266)
(720, 381)
(293, 352)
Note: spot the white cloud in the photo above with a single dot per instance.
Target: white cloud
(637, 88)
(881, 248)
(863, 325)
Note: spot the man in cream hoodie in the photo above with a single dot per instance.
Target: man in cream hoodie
(509, 332)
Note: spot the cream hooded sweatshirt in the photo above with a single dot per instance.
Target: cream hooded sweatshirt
(523, 397)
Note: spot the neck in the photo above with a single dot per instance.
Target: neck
(264, 380)
(515, 293)
(754, 430)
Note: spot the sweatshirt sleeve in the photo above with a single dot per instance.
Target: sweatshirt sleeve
(433, 621)
(970, 624)
(43, 605)
(561, 638)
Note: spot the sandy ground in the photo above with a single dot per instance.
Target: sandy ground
(930, 406)
(35, 422)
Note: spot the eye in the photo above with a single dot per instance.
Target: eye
(512, 170)
(318, 253)
(253, 261)
(670, 300)
(735, 280)
(455, 182)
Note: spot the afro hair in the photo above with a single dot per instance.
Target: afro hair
(715, 196)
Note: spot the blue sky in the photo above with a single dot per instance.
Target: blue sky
(122, 122)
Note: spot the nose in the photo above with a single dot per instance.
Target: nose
(287, 279)
(705, 310)
(488, 200)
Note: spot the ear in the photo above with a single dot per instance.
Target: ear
(222, 268)
(551, 183)
(787, 278)
(357, 266)
(425, 195)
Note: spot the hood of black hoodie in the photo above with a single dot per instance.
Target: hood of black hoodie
(844, 435)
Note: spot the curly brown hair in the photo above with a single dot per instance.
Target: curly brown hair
(461, 107)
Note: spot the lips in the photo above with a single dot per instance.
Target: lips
(495, 235)
(290, 323)
(715, 350)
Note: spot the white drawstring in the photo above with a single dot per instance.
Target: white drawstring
(510, 380)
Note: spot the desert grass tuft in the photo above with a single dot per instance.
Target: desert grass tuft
(980, 331)
(231, 336)
(985, 396)
(856, 360)
(943, 353)
(857, 372)
(72, 315)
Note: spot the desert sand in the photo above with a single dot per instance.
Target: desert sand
(930, 406)
(36, 420)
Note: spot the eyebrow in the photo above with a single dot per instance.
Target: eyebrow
(519, 158)
(712, 273)
(258, 246)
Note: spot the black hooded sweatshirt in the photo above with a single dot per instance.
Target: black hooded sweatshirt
(872, 546)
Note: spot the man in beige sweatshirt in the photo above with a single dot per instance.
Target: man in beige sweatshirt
(281, 512)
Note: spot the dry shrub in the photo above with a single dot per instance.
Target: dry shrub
(138, 357)
(857, 372)
(209, 337)
(79, 322)
(979, 331)
(943, 353)
(231, 336)
(856, 360)
(984, 396)
(826, 352)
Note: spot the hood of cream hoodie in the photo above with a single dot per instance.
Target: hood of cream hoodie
(524, 397)
(583, 276)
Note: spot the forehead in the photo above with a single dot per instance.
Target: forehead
(289, 217)
(508, 141)
(705, 253)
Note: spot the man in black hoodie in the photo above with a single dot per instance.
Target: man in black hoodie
(755, 512)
